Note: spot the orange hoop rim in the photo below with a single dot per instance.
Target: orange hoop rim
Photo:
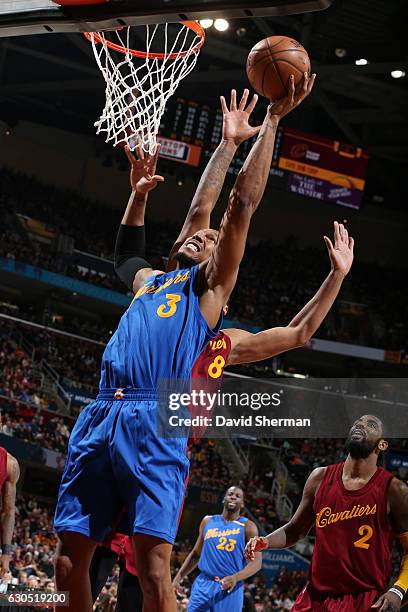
(193, 25)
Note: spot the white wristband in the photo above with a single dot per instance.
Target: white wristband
(397, 592)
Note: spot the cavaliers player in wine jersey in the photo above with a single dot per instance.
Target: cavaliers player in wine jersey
(357, 508)
(9, 475)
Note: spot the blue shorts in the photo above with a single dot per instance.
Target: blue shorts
(119, 469)
(207, 596)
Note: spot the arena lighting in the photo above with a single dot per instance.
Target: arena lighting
(397, 74)
(221, 25)
(206, 23)
(340, 52)
(361, 62)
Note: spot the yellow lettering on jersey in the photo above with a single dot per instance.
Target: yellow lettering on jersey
(216, 368)
(169, 308)
(168, 282)
(216, 345)
(216, 533)
(325, 516)
(143, 290)
(150, 288)
(367, 532)
(227, 544)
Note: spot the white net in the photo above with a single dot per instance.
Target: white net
(137, 88)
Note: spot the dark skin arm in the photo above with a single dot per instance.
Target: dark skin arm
(248, 348)
(143, 178)
(8, 508)
(219, 275)
(398, 510)
(298, 526)
(236, 129)
(191, 561)
(228, 583)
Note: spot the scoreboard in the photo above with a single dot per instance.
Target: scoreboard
(305, 164)
(321, 168)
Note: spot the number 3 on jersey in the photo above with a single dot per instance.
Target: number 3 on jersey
(169, 308)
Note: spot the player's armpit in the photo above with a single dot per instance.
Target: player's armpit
(141, 277)
(248, 348)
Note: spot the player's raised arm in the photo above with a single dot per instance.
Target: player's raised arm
(247, 347)
(130, 241)
(222, 268)
(191, 561)
(298, 526)
(8, 512)
(398, 502)
(235, 130)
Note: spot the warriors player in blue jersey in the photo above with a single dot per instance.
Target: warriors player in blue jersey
(117, 462)
(219, 554)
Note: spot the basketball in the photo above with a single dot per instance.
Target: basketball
(271, 62)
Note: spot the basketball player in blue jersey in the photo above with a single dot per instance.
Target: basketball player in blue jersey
(219, 554)
(117, 462)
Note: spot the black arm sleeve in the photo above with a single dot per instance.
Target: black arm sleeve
(129, 251)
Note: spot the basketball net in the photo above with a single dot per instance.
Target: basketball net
(139, 83)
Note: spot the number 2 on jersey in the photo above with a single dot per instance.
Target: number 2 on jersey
(169, 308)
(367, 532)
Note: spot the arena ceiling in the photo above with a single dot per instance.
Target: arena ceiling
(53, 78)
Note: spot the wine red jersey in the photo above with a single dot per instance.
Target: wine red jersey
(3, 466)
(207, 374)
(352, 551)
(211, 362)
(122, 545)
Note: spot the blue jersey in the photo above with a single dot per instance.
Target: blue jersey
(160, 335)
(223, 548)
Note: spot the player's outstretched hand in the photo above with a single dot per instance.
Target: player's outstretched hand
(389, 602)
(143, 177)
(295, 96)
(256, 544)
(236, 118)
(228, 583)
(342, 253)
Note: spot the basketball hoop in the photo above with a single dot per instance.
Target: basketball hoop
(136, 93)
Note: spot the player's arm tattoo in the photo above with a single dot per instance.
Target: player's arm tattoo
(206, 195)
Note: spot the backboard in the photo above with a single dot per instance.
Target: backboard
(22, 17)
